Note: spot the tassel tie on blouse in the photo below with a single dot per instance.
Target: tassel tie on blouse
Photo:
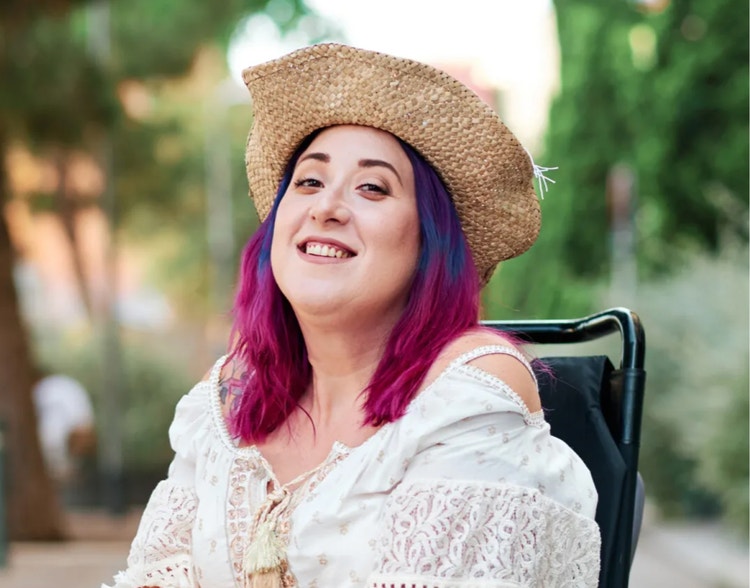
(265, 563)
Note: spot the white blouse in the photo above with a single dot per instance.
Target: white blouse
(468, 489)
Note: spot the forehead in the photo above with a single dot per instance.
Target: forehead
(359, 142)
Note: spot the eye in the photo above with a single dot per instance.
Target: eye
(373, 189)
(307, 183)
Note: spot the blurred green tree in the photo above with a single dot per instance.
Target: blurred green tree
(691, 149)
(63, 77)
(661, 87)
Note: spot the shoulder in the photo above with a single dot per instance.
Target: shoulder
(232, 379)
(500, 357)
(192, 416)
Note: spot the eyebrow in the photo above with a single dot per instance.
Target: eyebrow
(325, 158)
(380, 163)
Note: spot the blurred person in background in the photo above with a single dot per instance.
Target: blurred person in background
(65, 423)
(363, 429)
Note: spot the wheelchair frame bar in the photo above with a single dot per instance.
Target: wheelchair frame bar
(583, 329)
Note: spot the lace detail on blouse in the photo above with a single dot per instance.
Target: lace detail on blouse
(442, 532)
(239, 513)
(493, 349)
(160, 552)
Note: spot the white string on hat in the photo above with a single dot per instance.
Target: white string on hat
(539, 171)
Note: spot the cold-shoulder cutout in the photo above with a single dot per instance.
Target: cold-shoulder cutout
(515, 374)
(461, 351)
(501, 358)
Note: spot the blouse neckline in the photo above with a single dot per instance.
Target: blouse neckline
(340, 449)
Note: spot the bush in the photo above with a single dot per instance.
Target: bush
(694, 454)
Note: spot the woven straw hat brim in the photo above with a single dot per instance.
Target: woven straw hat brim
(487, 171)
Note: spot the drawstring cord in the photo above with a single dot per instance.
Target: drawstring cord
(264, 563)
(539, 174)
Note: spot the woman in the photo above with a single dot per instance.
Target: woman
(363, 430)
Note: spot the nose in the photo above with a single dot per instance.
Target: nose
(330, 206)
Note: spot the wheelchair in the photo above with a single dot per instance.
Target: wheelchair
(596, 409)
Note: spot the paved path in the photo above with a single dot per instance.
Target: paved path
(77, 564)
(689, 556)
(668, 556)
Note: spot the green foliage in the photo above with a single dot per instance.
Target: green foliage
(152, 385)
(60, 91)
(723, 459)
(161, 158)
(664, 93)
(53, 89)
(161, 175)
(58, 87)
(159, 37)
(590, 130)
(694, 452)
(693, 109)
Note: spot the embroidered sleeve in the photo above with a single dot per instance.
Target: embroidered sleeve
(488, 499)
(160, 553)
(447, 534)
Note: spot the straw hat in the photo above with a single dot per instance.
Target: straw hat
(485, 168)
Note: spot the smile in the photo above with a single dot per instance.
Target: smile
(325, 250)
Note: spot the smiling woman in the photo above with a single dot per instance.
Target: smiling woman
(363, 430)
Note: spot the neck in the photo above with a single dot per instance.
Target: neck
(343, 362)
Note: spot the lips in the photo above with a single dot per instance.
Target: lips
(326, 249)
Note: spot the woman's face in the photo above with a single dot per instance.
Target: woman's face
(346, 238)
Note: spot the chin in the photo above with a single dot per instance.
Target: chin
(318, 305)
(306, 299)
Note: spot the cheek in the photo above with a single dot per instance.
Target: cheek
(279, 238)
(405, 241)
(410, 231)
(275, 252)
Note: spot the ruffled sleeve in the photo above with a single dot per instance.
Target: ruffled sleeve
(489, 499)
(161, 553)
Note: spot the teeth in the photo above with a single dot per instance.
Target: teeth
(325, 250)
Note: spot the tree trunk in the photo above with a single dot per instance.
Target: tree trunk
(33, 507)
(67, 209)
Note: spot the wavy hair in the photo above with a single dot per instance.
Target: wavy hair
(442, 303)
